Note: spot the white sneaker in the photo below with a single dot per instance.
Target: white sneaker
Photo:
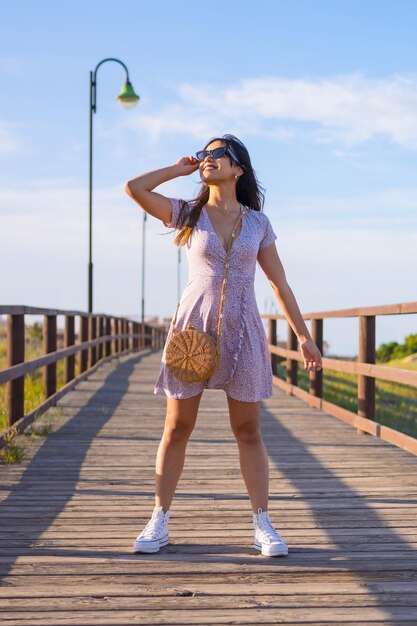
(266, 538)
(155, 534)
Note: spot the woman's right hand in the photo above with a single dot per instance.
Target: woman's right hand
(187, 165)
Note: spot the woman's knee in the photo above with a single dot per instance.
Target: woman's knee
(181, 418)
(177, 430)
(245, 420)
(249, 433)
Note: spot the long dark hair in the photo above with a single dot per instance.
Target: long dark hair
(248, 190)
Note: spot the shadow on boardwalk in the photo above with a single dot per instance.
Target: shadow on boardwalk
(388, 557)
(19, 506)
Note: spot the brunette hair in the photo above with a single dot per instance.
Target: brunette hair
(248, 190)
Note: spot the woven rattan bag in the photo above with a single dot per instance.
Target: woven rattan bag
(192, 355)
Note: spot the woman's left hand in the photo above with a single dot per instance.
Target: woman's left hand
(311, 355)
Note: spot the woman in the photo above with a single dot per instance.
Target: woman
(229, 186)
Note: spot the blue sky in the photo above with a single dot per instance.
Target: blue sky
(323, 94)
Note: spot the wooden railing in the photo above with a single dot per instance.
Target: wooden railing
(100, 337)
(365, 369)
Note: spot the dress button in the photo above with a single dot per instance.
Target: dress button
(233, 235)
(227, 264)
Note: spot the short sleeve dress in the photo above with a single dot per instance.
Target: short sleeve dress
(244, 370)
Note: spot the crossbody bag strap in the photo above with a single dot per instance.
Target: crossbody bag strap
(226, 267)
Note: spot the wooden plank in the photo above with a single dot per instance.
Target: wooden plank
(188, 612)
(275, 599)
(57, 588)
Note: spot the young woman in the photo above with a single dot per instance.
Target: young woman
(205, 225)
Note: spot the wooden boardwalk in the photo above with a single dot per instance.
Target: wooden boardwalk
(346, 505)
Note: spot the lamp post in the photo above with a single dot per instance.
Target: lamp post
(179, 274)
(143, 266)
(127, 99)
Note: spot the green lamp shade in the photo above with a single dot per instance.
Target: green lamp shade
(127, 97)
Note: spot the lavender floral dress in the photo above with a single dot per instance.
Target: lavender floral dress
(244, 371)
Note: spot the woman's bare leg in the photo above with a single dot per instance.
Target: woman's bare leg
(181, 416)
(245, 423)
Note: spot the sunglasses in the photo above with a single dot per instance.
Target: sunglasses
(217, 153)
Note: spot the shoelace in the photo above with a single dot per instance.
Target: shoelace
(267, 530)
(153, 526)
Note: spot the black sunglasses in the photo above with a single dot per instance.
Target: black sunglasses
(216, 154)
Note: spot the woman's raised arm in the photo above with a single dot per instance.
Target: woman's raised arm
(157, 205)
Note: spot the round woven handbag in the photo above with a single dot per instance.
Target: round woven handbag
(193, 355)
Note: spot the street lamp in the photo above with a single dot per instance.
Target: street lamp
(127, 99)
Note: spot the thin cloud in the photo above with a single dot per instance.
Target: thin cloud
(63, 198)
(346, 110)
(389, 208)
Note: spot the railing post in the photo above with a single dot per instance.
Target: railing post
(316, 378)
(125, 331)
(92, 334)
(366, 354)
(69, 340)
(131, 327)
(115, 341)
(121, 331)
(135, 327)
(107, 325)
(15, 389)
(292, 367)
(100, 333)
(49, 345)
(83, 354)
(272, 339)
